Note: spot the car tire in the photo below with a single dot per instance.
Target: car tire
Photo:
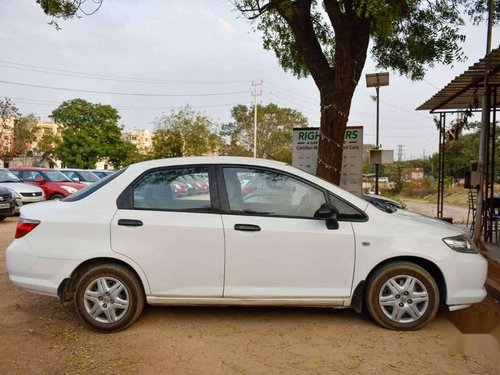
(57, 197)
(108, 298)
(402, 296)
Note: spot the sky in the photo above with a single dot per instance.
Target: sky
(150, 57)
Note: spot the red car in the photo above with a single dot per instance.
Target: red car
(55, 184)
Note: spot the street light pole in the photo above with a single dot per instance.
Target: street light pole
(255, 94)
(377, 80)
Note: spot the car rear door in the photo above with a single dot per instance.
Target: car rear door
(177, 240)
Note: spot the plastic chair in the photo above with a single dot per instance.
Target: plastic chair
(472, 209)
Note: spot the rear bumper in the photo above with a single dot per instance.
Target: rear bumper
(33, 273)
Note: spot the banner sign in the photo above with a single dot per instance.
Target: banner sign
(305, 155)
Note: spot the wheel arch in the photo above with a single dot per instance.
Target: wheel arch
(436, 273)
(67, 288)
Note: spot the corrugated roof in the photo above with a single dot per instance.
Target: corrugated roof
(466, 90)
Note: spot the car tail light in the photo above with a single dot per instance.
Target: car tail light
(24, 226)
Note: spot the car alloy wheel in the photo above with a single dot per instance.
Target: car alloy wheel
(108, 297)
(402, 296)
(403, 299)
(106, 300)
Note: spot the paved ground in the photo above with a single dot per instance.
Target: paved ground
(459, 214)
(39, 336)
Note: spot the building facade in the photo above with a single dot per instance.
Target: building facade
(141, 138)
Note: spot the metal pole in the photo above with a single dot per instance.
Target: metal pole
(377, 143)
(442, 151)
(490, 25)
(485, 118)
(254, 119)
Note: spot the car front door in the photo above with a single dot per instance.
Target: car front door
(176, 239)
(275, 248)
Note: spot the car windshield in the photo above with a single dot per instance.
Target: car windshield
(8, 176)
(102, 174)
(88, 176)
(55, 176)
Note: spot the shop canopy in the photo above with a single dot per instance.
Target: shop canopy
(466, 90)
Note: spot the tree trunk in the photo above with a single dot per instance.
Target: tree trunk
(336, 95)
(332, 129)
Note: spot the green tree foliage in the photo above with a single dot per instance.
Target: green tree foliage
(184, 133)
(274, 131)
(462, 150)
(8, 113)
(89, 133)
(46, 147)
(68, 8)
(329, 39)
(24, 134)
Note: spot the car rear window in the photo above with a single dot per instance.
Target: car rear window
(79, 195)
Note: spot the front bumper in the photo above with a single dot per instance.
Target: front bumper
(8, 210)
(465, 276)
(34, 273)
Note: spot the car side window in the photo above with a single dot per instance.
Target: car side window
(346, 212)
(168, 189)
(30, 175)
(267, 192)
(71, 175)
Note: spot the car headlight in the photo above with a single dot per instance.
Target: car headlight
(15, 194)
(461, 243)
(69, 189)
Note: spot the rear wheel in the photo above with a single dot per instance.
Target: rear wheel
(57, 197)
(402, 296)
(108, 298)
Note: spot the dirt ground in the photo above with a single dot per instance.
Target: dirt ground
(39, 336)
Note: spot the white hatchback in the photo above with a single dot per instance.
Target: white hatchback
(264, 234)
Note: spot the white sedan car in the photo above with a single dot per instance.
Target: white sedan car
(265, 234)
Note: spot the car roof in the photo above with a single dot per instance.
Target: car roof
(209, 160)
(31, 169)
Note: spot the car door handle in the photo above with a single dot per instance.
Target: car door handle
(247, 227)
(130, 222)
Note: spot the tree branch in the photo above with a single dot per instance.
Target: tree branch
(298, 16)
(257, 9)
(334, 13)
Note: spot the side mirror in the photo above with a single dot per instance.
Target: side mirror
(329, 213)
(76, 179)
(40, 180)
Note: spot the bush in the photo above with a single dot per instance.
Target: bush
(419, 189)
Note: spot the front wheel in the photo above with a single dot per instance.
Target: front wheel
(57, 197)
(108, 298)
(402, 296)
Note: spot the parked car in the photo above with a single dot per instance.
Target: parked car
(7, 203)
(23, 193)
(326, 247)
(101, 173)
(80, 175)
(55, 184)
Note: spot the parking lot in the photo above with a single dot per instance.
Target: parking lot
(38, 335)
